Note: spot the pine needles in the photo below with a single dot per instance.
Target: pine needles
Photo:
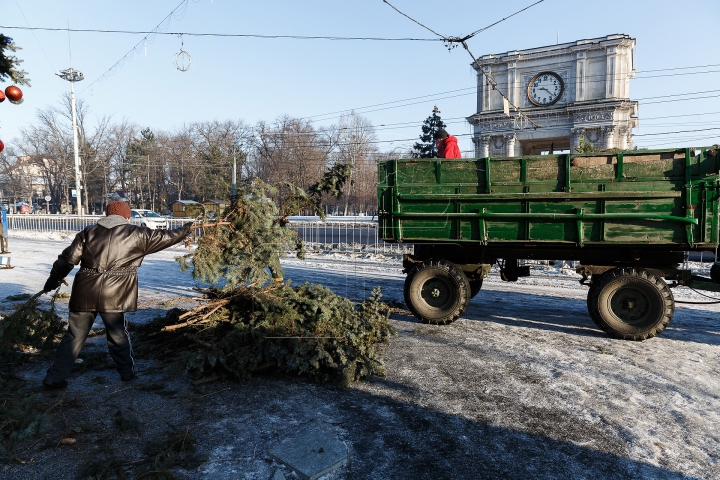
(30, 326)
(252, 321)
(305, 330)
(245, 246)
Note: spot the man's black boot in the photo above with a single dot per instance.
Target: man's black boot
(49, 384)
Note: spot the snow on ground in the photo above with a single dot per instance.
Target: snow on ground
(524, 385)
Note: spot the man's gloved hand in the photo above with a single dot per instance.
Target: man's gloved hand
(53, 283)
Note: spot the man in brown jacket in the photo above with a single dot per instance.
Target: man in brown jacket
(109, 254)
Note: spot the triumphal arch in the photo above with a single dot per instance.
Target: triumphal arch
(570, 90)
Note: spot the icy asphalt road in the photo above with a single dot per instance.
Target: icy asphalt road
(524, 386)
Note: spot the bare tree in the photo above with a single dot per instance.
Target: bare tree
(16, 176)
(116, 174)
(49, 143)
(356, 144)
(288, 150)
(194, 161)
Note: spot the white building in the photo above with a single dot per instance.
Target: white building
(570, 90)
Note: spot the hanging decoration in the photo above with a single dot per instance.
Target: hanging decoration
(2, 96)
(14, 94)
(182, 60)
(2, 146)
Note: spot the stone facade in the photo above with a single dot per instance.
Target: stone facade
(593, 99)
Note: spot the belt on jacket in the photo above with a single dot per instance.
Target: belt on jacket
(114, 271)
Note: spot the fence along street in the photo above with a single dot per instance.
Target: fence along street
(352, 234)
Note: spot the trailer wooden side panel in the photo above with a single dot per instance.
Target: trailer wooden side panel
(629, 198)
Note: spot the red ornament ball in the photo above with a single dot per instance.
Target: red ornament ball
(2, 96)
(13, 93)
(2, 146)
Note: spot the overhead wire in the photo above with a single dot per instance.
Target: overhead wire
(359, 110)
(450, 43)
(679, 131)
(394, 101)
(149, 38)
(467, 37)
(676, 95)
(34, 36)
(230, 35)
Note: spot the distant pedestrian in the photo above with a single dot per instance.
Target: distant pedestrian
(447, 145)
(4, 232)
(109, 254)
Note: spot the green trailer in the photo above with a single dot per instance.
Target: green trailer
(627, 217)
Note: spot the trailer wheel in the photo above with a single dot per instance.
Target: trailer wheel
(437, 291)
(715, 272)
(631, 304)
(594, 282)
(475, 286)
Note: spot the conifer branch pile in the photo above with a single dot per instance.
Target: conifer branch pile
(251, 320)
(30, 326)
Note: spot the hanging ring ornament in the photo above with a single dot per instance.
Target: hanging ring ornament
(182, 60)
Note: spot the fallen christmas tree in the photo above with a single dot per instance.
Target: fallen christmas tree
(252, 320)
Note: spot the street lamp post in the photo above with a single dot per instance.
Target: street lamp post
(234, 174)
(72, 76)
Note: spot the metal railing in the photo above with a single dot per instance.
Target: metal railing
(344, 234)
(335, 234)
(51, 223)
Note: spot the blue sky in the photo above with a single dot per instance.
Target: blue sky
(261, 79)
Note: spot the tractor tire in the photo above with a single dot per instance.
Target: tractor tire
(594, 282)
(715, 272)
(437, 292)
(631, 304)
(475, 286)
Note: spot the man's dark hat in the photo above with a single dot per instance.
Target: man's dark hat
(441, 134)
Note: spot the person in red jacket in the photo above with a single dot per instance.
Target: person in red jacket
(447, 145)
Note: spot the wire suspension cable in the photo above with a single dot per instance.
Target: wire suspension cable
(229, 35)
(413, 20)
(142, 42)
(462, 41)
(493, 24)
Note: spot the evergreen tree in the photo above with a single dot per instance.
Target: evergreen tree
(427, 147)
(245, 246)
(585, 146)
(10, 64)
(253, 321)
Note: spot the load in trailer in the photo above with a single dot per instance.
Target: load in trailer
(628, 217)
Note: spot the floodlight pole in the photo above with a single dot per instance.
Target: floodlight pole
(234, 174)
(73, 76)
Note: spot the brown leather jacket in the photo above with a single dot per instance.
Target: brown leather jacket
(109, 258)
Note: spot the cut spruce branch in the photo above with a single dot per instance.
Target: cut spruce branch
(30, 326)
(253, 322)
(305, 330)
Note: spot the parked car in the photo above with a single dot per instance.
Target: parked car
(148, 218)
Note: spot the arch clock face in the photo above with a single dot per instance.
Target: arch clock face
(545, 89)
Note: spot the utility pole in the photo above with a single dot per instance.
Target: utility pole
(73, 76)
(150, 196)
(234, 174)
